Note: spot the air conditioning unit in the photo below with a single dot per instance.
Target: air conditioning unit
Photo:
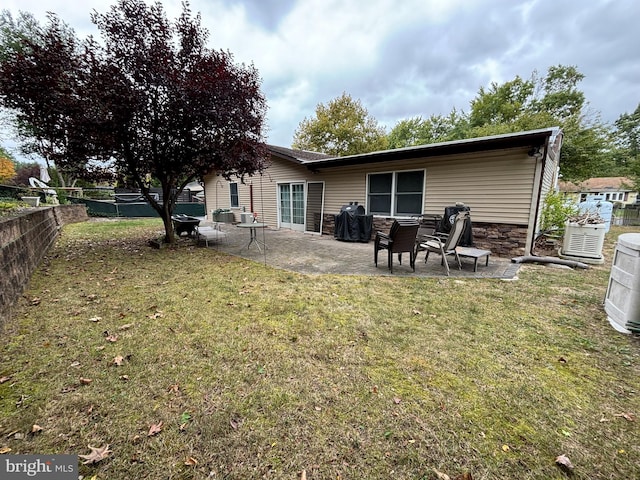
(246, 217)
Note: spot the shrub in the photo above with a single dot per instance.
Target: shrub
(555, 212)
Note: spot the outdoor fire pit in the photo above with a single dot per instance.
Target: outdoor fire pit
(184, 223)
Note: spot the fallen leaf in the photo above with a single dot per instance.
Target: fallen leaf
(158, 314)
(95, 319)
(627, 416)
(111, 337)
(303, 475)
(124, 378)
(374, 390)
(441, 476)
(563, 462)
(36, 428)
(190, 461)
(85, 381)
(397, 400)
(4, 379)
(154, 429)
(505, 448)
(417, 312)
(4, 450)
(562, 360)
(118, 360)
(96, 455)
(464, 476)
(35, 301)
(126, 326)
(175, 388)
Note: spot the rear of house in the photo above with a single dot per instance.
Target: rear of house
(503, 179)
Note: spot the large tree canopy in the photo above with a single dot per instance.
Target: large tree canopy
(150, 98)
(343, 127)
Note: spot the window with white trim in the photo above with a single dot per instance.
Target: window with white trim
(395, 193)
(233, 193)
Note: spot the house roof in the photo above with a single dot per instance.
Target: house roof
(299, 156)
(531, 138)
(599, 184)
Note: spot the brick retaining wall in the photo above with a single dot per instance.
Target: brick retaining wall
(504, 240)
(24, 241)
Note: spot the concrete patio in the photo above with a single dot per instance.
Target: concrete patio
(318, 254)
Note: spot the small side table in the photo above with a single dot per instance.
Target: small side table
(253, 234)
(474, 253)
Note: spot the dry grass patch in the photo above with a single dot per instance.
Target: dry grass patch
(250, 372)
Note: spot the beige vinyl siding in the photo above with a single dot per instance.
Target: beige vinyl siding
(496, 185)
(498, 188)
(265, 190)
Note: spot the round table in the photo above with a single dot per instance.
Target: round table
(253, 233)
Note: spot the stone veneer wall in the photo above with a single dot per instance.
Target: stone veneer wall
(504, 240)
(24, 241)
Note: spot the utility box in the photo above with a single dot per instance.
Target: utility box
(622, 302)
(246, 217)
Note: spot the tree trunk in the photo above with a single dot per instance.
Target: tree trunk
(168, 203)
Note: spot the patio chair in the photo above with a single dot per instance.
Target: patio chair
(445, 244)
(428, 227)
(401, 238)
(210, 233)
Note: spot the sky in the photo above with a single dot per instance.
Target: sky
(405, 58)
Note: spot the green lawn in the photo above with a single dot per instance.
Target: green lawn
(262, 373)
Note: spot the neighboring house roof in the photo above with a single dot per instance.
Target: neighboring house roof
(532, 138)
(599, 184)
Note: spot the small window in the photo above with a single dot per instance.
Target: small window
(233, 192)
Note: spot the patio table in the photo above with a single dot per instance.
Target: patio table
(253, 233)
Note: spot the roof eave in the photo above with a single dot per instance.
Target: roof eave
(534, 138)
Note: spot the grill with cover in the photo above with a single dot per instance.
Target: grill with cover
(352, 224)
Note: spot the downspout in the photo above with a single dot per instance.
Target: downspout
(537, 210)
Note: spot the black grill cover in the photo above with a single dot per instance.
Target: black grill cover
(447, 221)
(352, 225)
(353, 208)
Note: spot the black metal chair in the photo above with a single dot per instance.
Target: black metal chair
(401, 238)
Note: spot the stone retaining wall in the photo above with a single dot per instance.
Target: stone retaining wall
(24, 241)
(504, 240)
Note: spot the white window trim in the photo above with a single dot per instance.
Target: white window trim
(394, 176)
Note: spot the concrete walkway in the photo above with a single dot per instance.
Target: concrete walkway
(318, 254)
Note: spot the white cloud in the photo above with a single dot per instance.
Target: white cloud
(415, 57)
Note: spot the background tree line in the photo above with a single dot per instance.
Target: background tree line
(591, 148)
